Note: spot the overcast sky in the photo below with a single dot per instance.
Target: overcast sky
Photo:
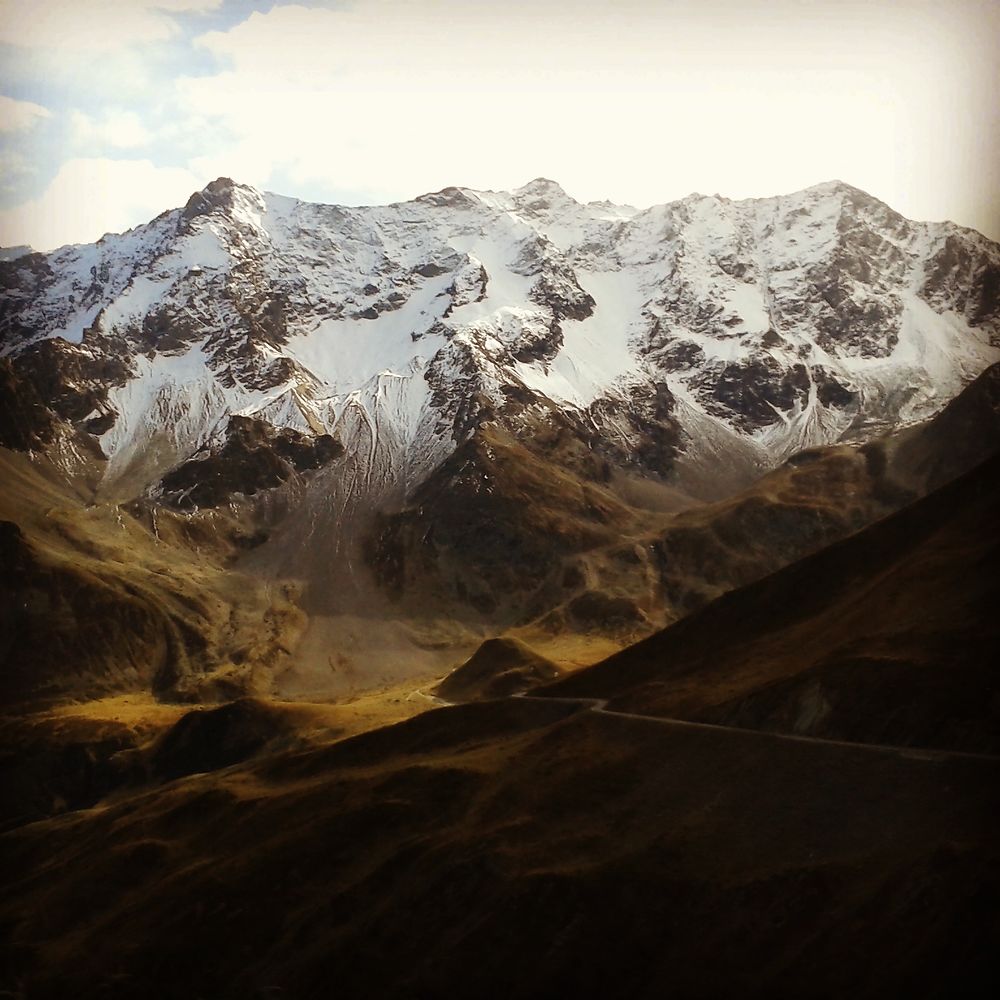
(113, 110)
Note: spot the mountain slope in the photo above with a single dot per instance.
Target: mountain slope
(93, 601)
(762, 326)
(479, 411)
(528, 847)
(820, 496)
(548, 539)
(886, 637)
(496, 852)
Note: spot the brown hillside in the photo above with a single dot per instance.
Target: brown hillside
(889, 637)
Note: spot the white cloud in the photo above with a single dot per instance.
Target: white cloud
(89, 197)
(15, 167)
(117, 128)
(636, 101)
(92, 25)
(16, 116)
(187, 6)
(386, 99)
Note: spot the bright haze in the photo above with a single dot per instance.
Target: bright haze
(114, 110)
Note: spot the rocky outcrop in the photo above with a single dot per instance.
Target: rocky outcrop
(491, 528)
(964, 275)
(500, 668)
(254, 457)
(52, 385)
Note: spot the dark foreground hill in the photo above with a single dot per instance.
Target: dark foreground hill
(890, 636)
(536, 847)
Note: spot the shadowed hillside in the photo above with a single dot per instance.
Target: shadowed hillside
(889, 637)
(500, 667)
(539, 846)
(523, 848)
(93, 601)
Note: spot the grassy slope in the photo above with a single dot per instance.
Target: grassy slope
(70, 756)
(529, 848)
(93, 602)
(498, 668)
(889, 636)
(536, 537)
(548, 541)
(521, 849)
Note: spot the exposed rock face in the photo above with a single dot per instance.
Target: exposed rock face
(818, 497)
(963, 275)
(785, 322)
(462, 383)
(491, 528)
(254, 457)
(54, 386)
(754, 393)
(25, 421)
(220, 195)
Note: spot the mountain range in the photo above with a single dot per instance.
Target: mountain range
(482, 411)
(496, 595)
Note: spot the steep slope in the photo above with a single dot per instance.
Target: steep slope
(92, 601)
(549, 539)
(750, 329)
(820, 496)
(480, 411)
(887, 637)
(965, 433)
(497, 524)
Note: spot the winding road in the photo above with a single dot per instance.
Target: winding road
(599, 707)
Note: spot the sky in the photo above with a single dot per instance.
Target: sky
(112, 111)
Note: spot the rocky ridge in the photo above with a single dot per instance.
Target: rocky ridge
(774, 323)
(351, 375)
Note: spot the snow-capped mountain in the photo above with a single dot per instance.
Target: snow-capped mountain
(355, 438)
(672, 335)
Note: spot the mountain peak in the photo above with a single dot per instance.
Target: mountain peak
(836, 186)
(477, 303)
(220, 184)
(541, 189)
(221, 195)
(449, 197)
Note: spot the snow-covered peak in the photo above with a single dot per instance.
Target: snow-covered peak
(778, 322)
(541, 192)
(12, 253)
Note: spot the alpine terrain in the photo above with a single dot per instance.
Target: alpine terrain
(480, 407)
(493, 594)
